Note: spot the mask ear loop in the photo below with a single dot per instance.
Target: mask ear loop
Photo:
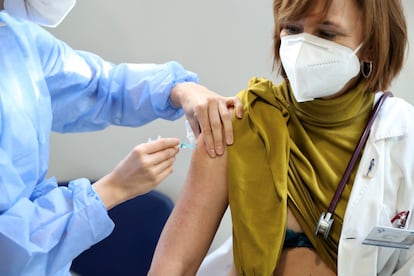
(358, 48)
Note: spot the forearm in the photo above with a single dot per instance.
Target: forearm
(124, 94)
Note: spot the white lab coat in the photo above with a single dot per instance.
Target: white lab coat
(378, 194)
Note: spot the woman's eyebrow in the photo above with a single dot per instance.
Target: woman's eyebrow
(331, 23)
(340, 28)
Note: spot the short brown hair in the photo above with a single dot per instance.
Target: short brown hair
(384, 32)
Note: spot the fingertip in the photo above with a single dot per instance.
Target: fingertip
(175, 141)
(239, 112)
(219, 149)
(229, 139)
(212, 153)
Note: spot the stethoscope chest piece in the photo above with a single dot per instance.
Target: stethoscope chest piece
(324, 225)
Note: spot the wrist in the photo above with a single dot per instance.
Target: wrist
(108, 191)
(177, 93)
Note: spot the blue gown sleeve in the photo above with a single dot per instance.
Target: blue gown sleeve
(89, 93)
(42, 226)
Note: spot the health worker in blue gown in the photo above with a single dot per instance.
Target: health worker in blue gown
(47, 86)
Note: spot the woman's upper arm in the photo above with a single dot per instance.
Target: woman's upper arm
(192, 225)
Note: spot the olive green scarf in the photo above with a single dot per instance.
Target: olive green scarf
(289, 153)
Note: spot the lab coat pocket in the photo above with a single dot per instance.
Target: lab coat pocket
(385, 254)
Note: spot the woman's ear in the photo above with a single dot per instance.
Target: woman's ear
(366, 53)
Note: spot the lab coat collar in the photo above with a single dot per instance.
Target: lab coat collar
(388, 123)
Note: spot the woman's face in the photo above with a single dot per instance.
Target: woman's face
(342, 23)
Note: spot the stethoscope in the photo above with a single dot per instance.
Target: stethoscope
(326, 220)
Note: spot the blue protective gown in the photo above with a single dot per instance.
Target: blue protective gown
(45, 85)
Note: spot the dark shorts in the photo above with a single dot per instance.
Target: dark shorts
(295, 239)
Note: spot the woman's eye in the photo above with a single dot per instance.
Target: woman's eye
(293, 29)
(327, 34)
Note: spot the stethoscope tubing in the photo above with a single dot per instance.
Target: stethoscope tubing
(361, 143)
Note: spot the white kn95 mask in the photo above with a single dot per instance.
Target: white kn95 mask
(48, 13)
(316, 67)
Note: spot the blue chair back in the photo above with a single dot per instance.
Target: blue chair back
(129, 248)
